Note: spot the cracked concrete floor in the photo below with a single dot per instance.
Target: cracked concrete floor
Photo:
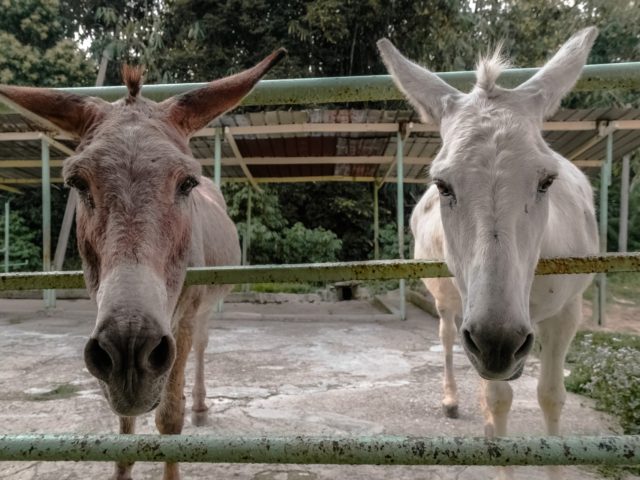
(268, 377)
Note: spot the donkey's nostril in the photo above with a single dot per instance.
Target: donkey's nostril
(469, 343)
(525, 348)
(97, 359)
(161, 357)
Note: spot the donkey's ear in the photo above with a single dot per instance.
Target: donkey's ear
(424, 89)
(559, 75)
(54, 110)
(194, 110)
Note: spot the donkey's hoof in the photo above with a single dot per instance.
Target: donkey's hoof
(450, 411)
(200, 418)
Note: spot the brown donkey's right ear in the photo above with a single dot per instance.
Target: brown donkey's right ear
(194, 110)
(74, 114)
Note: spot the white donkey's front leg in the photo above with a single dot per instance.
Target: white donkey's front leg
(448, 305)
(555, 335)
(448, 333)
(496, 399)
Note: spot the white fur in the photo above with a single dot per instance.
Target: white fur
(499, 224)
(127, 283)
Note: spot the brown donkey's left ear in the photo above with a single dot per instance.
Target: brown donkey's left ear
(70, 113)
(194, 110)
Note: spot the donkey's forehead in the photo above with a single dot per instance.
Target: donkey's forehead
(133, 136)
(487, 134)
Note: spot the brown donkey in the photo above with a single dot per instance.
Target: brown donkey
(145, 215)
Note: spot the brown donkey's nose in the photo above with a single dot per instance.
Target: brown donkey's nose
(110, 356)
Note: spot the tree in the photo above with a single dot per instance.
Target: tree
(126, 31)
(22, 245)
(35, 47)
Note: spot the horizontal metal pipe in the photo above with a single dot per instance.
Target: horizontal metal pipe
(383, 450)
(330, 272)
(305, 91)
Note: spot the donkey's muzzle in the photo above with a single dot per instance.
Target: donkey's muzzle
(497, 353)
(131, 363)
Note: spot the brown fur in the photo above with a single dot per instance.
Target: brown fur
(138, 231)
(132, 77)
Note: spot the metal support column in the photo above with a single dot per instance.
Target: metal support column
(246, 238)
(624, 205)
(48, 295)
(376, 223)
(6, 236)
(605, 180)
(217, 158)
(400, 211)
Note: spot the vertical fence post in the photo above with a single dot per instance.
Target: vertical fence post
(400, 211)
(217, 158)
(624, 205)
(48, 295)
(376, 223)
(6, 236)
(605, 180)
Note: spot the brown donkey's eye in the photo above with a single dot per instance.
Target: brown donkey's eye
(79, 183)
(82, 187)
(187, 185)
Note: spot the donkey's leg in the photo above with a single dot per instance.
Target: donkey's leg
(555, 335)
(199, 408)
(170, 412)
(448, 332)
(123, 469)
(496, 399)
(448, 305)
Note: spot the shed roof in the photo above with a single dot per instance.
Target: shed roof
(323, 144)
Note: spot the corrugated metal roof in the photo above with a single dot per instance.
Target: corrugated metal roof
(420, 147)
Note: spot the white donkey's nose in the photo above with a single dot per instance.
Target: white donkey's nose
(497, 352)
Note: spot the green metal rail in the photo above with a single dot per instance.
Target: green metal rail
(381, 450)
(370, 87)
(330, 272)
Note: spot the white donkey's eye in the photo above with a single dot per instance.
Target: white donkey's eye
(545, 183)
(444, 188)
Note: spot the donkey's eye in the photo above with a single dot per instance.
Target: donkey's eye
(545, 183)
(79, 183)
(444, 188)
(187, 185)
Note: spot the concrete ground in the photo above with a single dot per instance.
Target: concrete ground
(329, 376)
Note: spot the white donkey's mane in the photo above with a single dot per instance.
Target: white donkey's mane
(489, 68)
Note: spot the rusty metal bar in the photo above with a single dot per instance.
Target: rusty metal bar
(308, 91)
(324, 272)
(383, 450)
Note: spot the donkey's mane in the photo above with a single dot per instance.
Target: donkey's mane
(489, 68)
(132, 77)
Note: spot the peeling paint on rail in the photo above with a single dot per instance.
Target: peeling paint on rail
(329, 272)
(382, 450)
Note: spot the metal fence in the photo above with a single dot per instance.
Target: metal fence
(382, 450)
(370, 450)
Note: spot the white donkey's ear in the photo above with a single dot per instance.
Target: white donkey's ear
(559, 75)
(424, 89)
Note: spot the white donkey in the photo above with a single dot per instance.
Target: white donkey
(501, 199)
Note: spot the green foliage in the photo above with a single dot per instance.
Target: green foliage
(301, 244)
(272, 240)
(35, 49)
(388, 242)
(22, 246)
(606, 367)
(126, 31)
